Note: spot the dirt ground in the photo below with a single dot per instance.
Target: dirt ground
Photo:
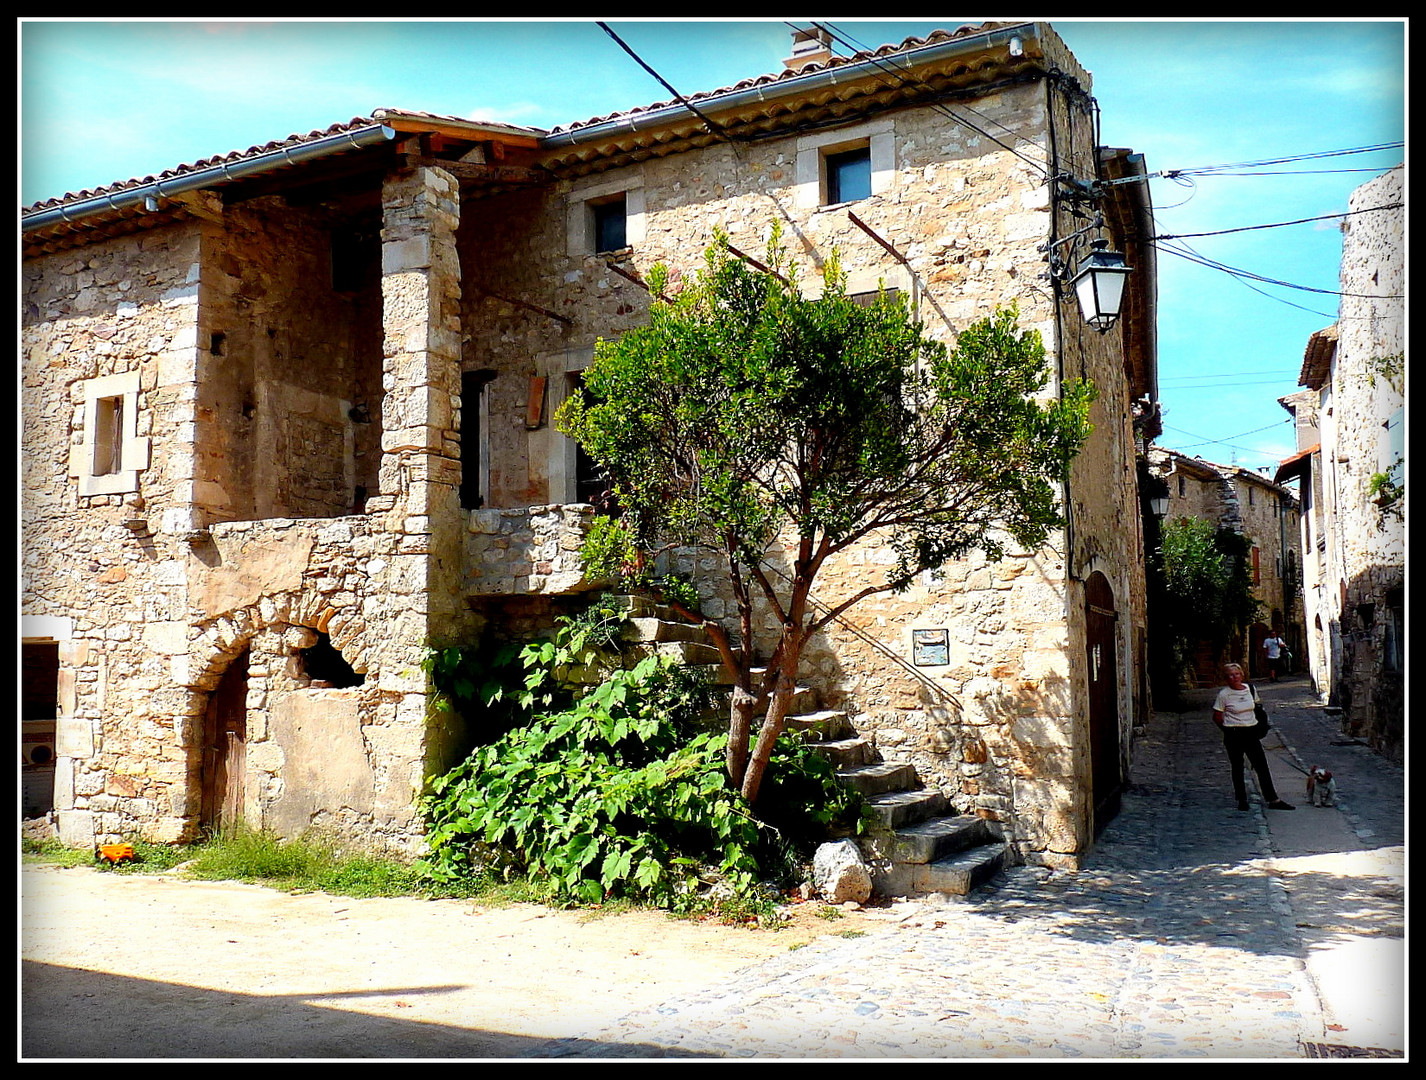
(140, 966)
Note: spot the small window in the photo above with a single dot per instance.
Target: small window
(111, 454)
(1257, 566)
(325, 666)
(1182, 486)
(356, 256)
(610, 225)
(108, 436)
(474, 442)
(849, 175)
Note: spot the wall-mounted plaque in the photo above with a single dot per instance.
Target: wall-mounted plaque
(930, 647)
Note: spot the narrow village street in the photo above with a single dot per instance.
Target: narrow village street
(1195, 931)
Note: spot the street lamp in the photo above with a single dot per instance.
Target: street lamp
(1099, 283)
(1159, 505)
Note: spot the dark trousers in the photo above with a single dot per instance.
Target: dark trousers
(1241, 743)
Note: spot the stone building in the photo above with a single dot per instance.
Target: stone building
(1350, 469)
(1265, 512)
(288, 420)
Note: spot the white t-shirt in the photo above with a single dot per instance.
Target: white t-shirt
(1274, 646)
(1236, 707)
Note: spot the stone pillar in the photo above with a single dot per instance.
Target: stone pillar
(420, 463)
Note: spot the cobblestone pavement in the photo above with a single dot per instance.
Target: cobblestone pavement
(1193, 931)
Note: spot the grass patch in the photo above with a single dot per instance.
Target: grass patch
(53, 853)
(307, 864)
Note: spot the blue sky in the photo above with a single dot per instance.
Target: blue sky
(106, 101)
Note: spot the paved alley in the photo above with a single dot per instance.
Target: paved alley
(1194, 931)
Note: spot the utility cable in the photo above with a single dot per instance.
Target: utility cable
(714, 128)
(1278, 224)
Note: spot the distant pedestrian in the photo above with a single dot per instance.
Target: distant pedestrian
(1233, 711)
(1276, 649)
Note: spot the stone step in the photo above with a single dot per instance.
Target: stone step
(646, 630)
(804, 698)
(692, 653)
(937, 838)
(641, 607)
(898, 809)
(880, 778)
(847, 753)
(955, 875)
(822, 725)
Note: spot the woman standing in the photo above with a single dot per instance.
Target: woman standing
(1233, 712)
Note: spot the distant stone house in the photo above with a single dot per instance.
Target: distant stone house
(1265, 512)
(288, 420)
(1350, 438)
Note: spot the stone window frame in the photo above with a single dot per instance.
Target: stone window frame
(560, 452)
(107, 396)
(580, 230)
(877, 136)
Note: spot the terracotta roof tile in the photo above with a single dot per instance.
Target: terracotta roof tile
(881, 51)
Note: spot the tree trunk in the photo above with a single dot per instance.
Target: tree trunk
(776, 719)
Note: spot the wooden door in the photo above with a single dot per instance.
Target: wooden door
(225, 728)
(1105, 775)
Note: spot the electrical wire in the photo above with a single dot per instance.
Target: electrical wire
(713, 127)
(1201, 170)
(1279, 224)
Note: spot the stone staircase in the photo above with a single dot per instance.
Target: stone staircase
(916, 843)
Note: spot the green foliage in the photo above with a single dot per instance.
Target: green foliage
(1208, 583)
(617, 793)
(744, 408)
(1387, 491)
(745, 413)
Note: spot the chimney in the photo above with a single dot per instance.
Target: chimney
(809, 47)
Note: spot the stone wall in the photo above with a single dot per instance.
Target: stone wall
(1361, 422)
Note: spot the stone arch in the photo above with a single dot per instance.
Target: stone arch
(225, 639)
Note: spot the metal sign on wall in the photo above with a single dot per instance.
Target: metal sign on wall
(930, 648)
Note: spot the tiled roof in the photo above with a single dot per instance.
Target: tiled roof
(378, 116)
(181, 170)
(933, 38)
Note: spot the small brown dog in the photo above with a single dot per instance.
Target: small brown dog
(1321, 788)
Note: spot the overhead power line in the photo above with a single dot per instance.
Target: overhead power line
(713, 126)
(1278, 224)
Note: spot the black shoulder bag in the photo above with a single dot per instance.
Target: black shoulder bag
(1262, 727)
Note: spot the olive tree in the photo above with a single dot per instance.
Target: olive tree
(757, 424)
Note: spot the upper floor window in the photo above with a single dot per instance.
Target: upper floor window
(846, 164)
(849, 175)
(607, 216)
(610, 224)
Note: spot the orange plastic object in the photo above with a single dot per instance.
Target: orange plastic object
(116, 852)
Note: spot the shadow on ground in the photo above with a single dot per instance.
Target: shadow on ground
(88, 1014)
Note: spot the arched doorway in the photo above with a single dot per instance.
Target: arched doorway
(1106, 778)
(225, 731)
